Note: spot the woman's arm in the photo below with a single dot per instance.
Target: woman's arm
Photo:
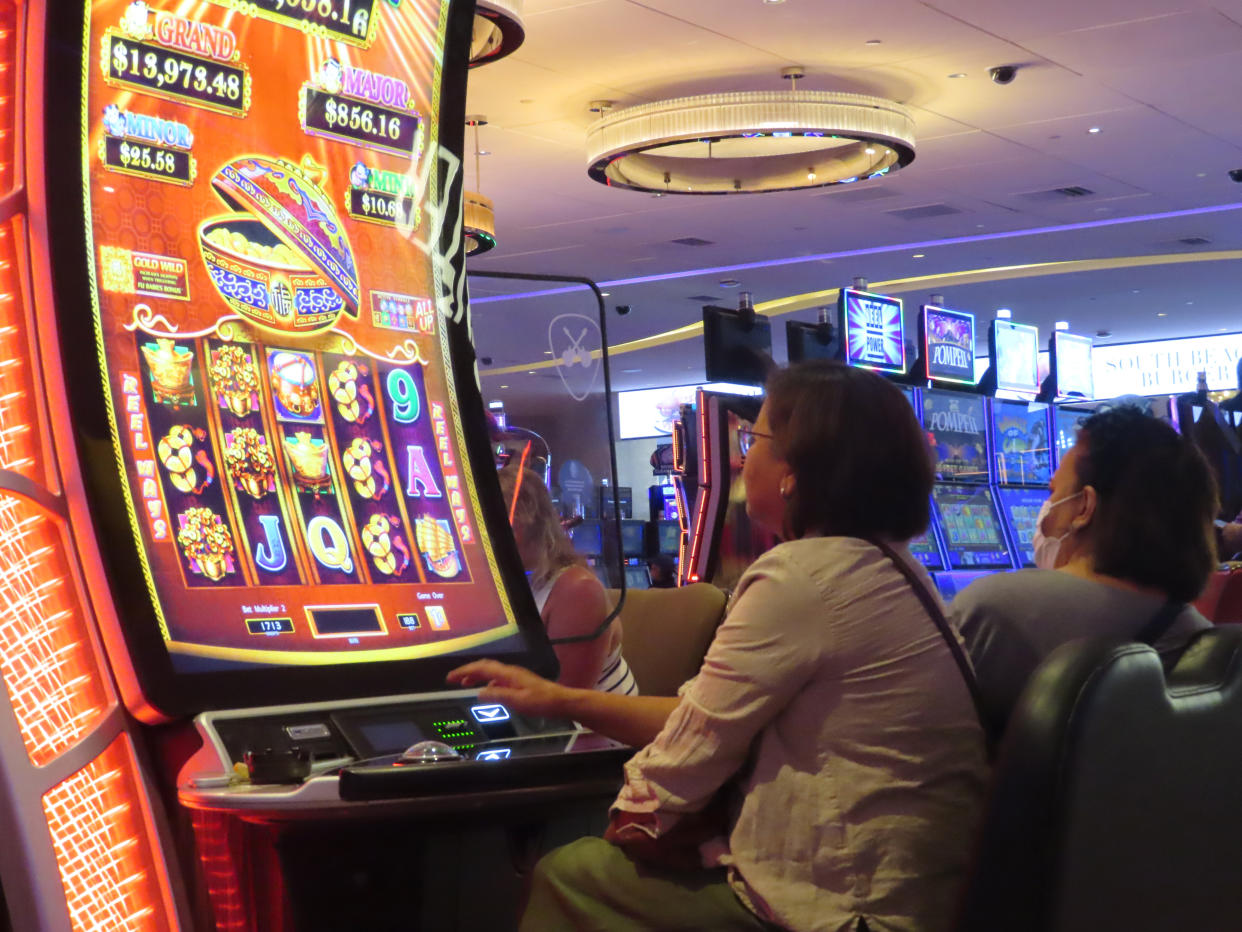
(633, 720)
(577, 606)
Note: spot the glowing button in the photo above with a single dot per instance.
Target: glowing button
(486, 714)
(493, 754)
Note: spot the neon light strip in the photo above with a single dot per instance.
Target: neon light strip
(869, 251)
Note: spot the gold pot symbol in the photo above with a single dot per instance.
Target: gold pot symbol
(170, 367)
(239, 403)
(308, 457)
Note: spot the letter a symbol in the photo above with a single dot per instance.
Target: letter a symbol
(420, 474)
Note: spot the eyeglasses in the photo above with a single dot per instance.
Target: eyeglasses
(746, 439)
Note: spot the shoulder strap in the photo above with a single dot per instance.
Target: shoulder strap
(1160, 622)
(932, 606)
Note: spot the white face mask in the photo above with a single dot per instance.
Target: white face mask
(1046, 548)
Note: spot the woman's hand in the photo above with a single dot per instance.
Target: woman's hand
(515, 687)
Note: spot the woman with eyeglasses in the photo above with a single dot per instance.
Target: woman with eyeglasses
(825, 769)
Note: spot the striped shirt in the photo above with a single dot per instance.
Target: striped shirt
(615, 676)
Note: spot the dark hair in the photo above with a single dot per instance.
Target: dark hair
(1157, 498)
(861, 463)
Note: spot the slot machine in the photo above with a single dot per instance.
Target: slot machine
(723, 540)
(1022, 465)
(246, 486)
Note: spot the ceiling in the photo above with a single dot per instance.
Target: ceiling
(1158, 78)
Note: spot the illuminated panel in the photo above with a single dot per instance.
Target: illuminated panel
(107, 867)
(8, 101)
(46, 660)
(18, 434)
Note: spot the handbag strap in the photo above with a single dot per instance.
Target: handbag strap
(1160, 622)
(932, 606)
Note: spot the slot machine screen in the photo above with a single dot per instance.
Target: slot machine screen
(926, 550)
(957, 431)
(1021, 508)
(1015, 356)
(971, 527)
(298, 453)
(1067, 421)
(1020, 441)
(1071, 365)
(637, 577)
(736, 349)
(948, 339)
(632, 538)
(670, 537)
(588, 538)
(872, 331)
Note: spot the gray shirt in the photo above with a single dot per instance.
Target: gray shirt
(1012, 621)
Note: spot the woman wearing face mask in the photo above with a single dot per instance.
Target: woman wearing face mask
(1123, 544)
(824, 771)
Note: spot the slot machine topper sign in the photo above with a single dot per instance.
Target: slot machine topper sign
(270, 307)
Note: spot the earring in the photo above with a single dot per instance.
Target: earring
(786, 491)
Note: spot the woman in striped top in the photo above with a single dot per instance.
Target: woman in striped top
(570, 599)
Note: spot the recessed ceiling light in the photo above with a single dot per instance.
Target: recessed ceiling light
(1197, 175)
(547, 352)
(530, 371)
(1095, 129)
(482, 152)
(1222, 330)
(1061, 325)
(1161, 314)
(631, 371)
(873, 42)
(504, 386)
(958, 74)
(919, 255)
(1135, 290)
(773, 2)
(1004, 313)
(606, 294)
(1188, 303)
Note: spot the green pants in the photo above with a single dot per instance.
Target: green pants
(592, 885)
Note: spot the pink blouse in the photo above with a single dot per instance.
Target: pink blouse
(831, 707)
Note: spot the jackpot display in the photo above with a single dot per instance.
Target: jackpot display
(1071, 364)
(270, 311)
(873, 333)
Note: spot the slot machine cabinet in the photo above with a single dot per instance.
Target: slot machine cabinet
(723, 540)
(245, 479)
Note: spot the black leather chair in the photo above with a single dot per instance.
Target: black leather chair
(1116, 803)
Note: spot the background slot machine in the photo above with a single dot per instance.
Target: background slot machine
(245, 458)
(1022, 457)
(964, 506)
(723, 540)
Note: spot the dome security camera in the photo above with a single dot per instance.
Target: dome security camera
(485, 360)
(623, 309)
(1003, 74)
(1235, 174)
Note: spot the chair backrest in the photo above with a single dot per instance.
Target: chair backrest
(666, 632)
(1117, 797)
(1222, 597)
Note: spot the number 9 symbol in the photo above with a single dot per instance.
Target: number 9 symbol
(403, 394)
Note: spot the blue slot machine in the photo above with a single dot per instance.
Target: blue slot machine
(964, 506)
(1022, 465)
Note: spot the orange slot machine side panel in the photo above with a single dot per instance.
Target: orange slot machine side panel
(82, 849)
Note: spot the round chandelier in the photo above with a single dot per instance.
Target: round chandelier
(479, 223)
(478, 212)
(498, 30)
(750, 142)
